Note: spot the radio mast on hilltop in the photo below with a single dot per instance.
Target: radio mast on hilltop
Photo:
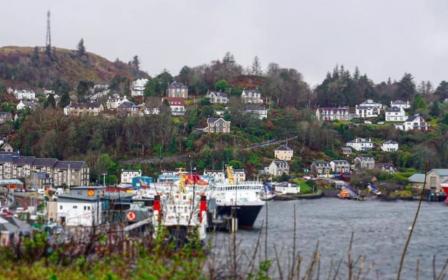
(48, 39)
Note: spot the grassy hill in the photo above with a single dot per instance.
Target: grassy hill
(33, 67)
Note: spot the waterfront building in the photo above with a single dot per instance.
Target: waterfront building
(278, 168)
(320, 168)
(435, 178)
(59, 173)
(127, 175)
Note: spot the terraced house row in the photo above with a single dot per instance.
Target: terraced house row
(43, 171)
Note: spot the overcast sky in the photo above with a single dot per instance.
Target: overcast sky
(384, 38)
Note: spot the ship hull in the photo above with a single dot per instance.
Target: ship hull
(246, 214)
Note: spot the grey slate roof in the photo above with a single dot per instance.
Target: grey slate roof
(77, 165)
(441, 172)
(284, 148)
(23, 160)
(176, 84)
(44, 162)
(417, 178)
(393, 109)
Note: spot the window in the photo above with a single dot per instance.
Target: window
(75, 206)
(60, 207)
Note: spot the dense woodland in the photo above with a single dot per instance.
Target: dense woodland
(104, 141)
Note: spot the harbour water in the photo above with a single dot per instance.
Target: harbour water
(380, 230)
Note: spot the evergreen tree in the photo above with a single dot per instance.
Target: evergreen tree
(406, 87)
(83, 89)
(442, 90)
(419, 104)
(81, 48)
(50, 102)
(2, 87)
(435, 109)
(35, 56)
(136, 63)
(65, 100)
(256, 67)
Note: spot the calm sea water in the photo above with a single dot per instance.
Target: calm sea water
(380, 230)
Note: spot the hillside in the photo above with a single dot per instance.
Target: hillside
(32, 67)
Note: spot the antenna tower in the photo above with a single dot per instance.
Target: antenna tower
(48, 39)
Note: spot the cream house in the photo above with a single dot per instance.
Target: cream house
(283, 152)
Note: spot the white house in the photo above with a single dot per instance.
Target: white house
(333, 113)
(278, 168)
(286, 188)
(395, 114)
(389, 146)
(368, 109)
(284, 152)
(251, 97)
(24, 104)
(24, 94)
(78, 210)
(138, 87)
(364, 163)
(258, 110)
(215, 175)
(320, 168)
(415, 122)
(217, 97)
(127, 175)
(114, 102)
(360, 144)
(239, 175)
(217, 125)
(400, 104)
(177, 106)
(151, 110)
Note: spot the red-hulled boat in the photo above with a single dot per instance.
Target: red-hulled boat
(445, 189)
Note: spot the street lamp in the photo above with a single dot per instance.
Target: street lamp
(104, 179)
